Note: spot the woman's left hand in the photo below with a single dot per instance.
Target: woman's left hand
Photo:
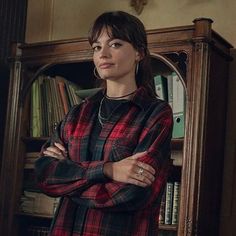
(131, 171)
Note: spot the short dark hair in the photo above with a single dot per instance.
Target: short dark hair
(127, 27)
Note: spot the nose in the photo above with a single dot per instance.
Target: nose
(104, 52)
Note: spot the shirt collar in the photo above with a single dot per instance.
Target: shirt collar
(142, 98)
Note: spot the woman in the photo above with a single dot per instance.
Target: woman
(109, 158)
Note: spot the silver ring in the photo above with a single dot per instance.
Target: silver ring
(140, 171)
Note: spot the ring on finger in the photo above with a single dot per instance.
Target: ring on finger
(140, 171)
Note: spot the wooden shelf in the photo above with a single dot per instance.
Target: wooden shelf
(177, 144)
(34, 139)
(168, 227)
(20, 213)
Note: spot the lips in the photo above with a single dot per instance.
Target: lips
(105, 65)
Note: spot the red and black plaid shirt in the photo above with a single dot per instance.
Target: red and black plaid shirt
(92, 204)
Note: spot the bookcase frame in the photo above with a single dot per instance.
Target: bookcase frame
(207, 62)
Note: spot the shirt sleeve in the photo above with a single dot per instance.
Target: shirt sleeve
(60, 177)
(86, 184)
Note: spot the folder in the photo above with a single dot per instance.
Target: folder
(178, 128)
(178, 106)
(170, 90)
(161, 87)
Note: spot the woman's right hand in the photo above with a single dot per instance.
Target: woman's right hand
(57, 151)
(130, 170)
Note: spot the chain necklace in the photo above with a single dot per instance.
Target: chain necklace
(101, 119)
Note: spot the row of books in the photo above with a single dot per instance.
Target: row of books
(51, 98)
(167, 233)
(38, 203)
(38, 231)
(30, 158)
(170, 88)
(169, 209)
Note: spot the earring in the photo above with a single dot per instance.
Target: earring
(136, 69)
(96, 73)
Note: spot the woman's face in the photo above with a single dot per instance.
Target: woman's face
(114, 59)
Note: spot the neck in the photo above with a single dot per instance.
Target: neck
(116, 91)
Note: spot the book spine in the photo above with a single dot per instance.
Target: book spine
(35, 114)
(168, 204)
(161, 218)
(64, 98)
(176, 198)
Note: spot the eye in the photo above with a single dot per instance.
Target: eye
(96, 48)
(115, 45)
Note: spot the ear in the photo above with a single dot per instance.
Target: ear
(139, 55)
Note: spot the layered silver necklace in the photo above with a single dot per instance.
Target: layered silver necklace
(102, 120)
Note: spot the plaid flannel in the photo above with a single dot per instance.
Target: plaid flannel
(91, 204)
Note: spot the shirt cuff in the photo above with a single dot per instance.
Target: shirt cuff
(95, 174)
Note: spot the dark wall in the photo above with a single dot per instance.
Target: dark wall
(12, 29)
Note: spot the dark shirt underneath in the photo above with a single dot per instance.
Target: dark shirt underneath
(108, 107)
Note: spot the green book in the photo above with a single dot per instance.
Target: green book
(35, 109)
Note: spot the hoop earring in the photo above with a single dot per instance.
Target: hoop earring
(136, 69)
(96, 73)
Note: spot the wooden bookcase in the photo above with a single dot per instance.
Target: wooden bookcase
(201, 59)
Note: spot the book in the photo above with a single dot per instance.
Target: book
(177, 157)
(161, 218)
(85, 93)
(38, 230)
(44, 107)
(175, 207)
(51, 99)
(64, 98)
(168, 203)
(49, 114)
(38, 203)
(30, 158)
(35, 113)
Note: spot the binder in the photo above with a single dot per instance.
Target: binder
(161, 87)
(170, 90)
(178, 106)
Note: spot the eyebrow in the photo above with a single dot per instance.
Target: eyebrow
(109, 40)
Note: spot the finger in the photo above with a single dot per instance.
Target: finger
(140, 181)
(145, 175)
(52, 154)
(54, 150)
(138, 155)
(146, 167)
(60, 146)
